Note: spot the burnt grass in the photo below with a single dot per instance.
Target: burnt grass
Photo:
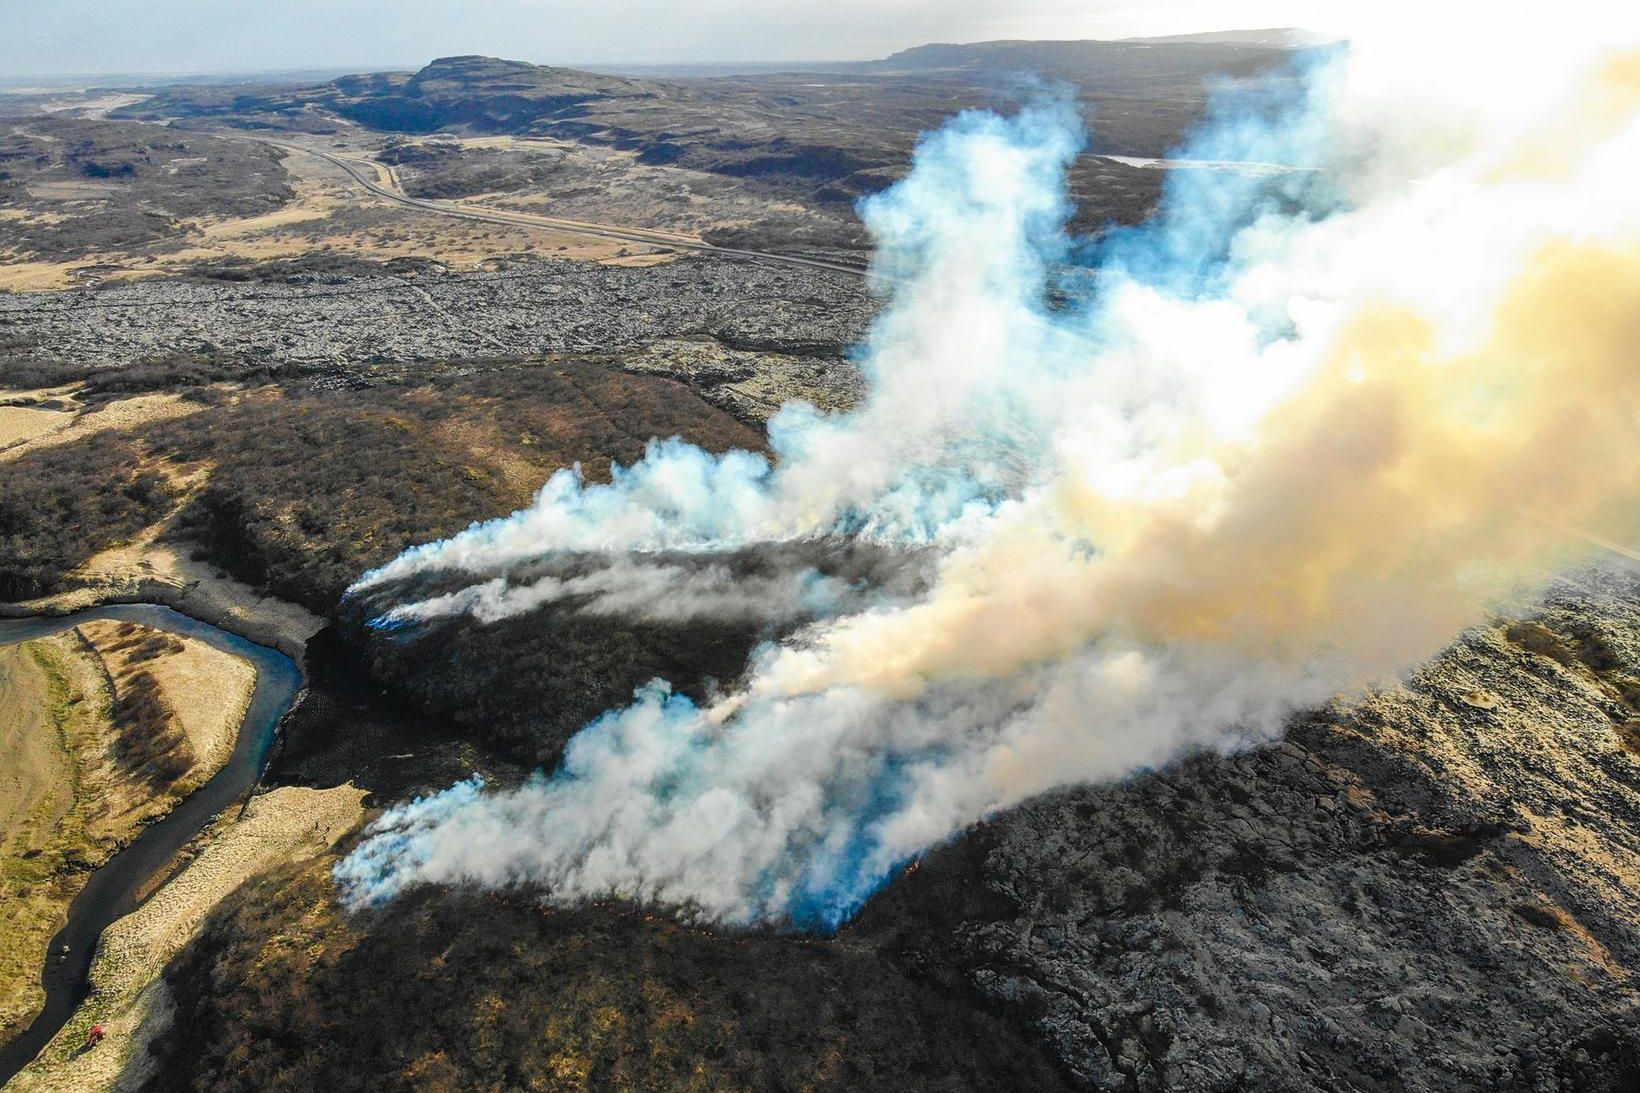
(529, 683)
(526, 684)
(348, 727)
(464, 991)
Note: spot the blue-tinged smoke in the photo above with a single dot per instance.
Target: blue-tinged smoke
(1288, 446)
(1263, 149)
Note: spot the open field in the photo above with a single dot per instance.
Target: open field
(820, 137)
(78, 188)
(37, 792)
(326, 215)
(19, 424)
(132, 185)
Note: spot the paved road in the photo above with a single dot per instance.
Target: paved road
(381, 181)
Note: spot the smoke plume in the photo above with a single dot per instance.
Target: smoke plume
(1295, 432)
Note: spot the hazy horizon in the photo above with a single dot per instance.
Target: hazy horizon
(114, 38)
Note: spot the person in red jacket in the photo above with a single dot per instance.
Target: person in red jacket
(95, 1036)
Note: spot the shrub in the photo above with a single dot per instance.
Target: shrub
(150, 744)
(59, 506)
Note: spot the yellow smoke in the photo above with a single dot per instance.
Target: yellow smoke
(1415, 477)
(1399, 491)
(1368, 520)
(1606, 101)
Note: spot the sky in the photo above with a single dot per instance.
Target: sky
(53, 37)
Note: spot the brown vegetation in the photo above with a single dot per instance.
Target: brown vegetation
(61, 505)
(89, 186)
(459, 991)
(306, 489)
(1580, 647)
(310, 489)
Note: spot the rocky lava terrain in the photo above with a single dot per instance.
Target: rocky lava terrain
(751, 335)
(1432, 888)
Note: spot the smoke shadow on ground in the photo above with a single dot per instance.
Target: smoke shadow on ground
(527, 682)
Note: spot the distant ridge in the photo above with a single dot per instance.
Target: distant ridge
(830, 137)
(1269, 37)
(1092, 58)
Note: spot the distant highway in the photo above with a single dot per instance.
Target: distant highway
(380, 180)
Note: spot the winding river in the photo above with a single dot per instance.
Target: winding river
(112, 891)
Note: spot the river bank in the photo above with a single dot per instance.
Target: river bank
(116, 888)
(129, 997)
(160, 574)
(104, 728)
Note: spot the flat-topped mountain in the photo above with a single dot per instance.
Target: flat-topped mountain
(861, 111)
(485, 94)
(1094, 64)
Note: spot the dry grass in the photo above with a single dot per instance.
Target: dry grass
(288, 825)
(204, 691)
(19, 424)
(79, 766)
(78, 423)
(156, 572)
(328, 213)
(38, 782)
(1629, 733)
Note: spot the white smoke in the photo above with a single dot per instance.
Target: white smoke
(647, 590)
(1307, 427)
(963, 372)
